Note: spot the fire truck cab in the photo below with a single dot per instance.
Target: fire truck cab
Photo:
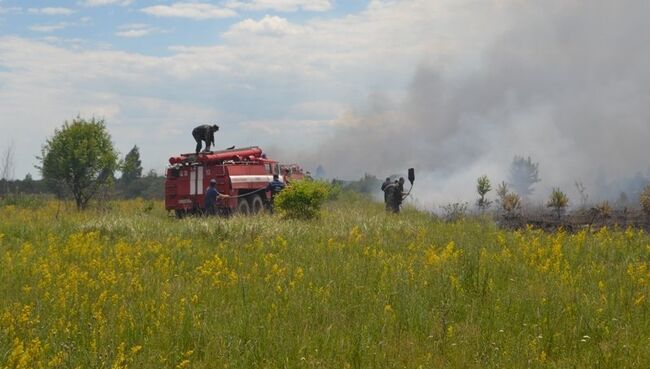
(243, 174)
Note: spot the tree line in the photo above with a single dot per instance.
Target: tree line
(79, 162)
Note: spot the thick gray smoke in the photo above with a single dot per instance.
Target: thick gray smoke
(567, 83)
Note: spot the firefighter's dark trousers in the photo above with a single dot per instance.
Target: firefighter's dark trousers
(199, 140)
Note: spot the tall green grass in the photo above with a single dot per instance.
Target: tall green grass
(129, 286)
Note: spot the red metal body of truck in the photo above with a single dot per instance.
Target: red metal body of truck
(241, 173)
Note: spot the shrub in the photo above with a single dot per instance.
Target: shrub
(601, 211)
(302, 199)
(558, 201)
(455, 211)
(511, 204)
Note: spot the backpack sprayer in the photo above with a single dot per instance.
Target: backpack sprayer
(411, 179)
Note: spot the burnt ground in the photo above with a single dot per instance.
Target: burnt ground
(576, 221)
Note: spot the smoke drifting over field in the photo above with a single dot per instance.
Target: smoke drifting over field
(566, 83)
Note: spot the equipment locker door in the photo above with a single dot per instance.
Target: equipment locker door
(196, 181)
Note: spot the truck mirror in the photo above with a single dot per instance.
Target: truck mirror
(411, 175)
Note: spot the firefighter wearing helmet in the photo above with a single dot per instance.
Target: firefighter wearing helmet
(204, 133)
(275, 187)
(211, 197)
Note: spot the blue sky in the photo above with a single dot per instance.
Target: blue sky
(135, 26)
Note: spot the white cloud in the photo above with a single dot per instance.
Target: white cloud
(51, 11)
(197, 11)
(136, 30)
(45, 28)
(282, 5)
(304, 78)
(107, 2)
(10, 10)
(267, 26)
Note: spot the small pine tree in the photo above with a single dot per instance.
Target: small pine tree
(483, 186)
(511, 204)
(558, 201)
(502, 191)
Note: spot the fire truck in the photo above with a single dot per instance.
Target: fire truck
(243, 174)
(291, 172)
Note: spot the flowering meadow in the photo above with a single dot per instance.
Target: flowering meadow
(126, 286)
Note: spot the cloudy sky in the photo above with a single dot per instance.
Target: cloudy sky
(269, 72)
(455, 88)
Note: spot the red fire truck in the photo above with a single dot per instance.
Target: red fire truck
(292, 172)
(241, 173)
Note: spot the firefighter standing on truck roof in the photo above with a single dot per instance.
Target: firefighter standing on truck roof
(204, 133)
(275, 187)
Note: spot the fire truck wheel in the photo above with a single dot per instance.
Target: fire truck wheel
(242, 207)
(257, 205)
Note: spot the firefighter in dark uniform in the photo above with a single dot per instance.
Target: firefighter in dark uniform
(204, 133)
(211, 197)
(383, 188)
(400, 194)
(395, 195)
(275, 187)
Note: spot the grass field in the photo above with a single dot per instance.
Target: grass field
(130, 287)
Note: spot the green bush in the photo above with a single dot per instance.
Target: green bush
(302, 199)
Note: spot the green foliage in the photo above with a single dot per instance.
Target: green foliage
(354, 289)
(26, 201)
(144, 187)
(302, 199)
(79, 159)
(483, 186)
(558, 201)
(334, 192)
(131, 166)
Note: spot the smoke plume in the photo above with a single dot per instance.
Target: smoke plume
(566, 83)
